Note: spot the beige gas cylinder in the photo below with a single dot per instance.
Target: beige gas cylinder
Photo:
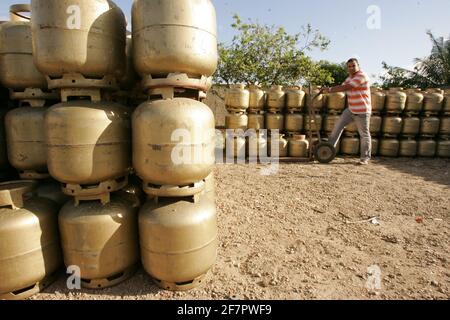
(378, 100)
(178, 241)
(414, 102)
(102, 239)
(446, 105)
(237, 98)
(396, 101)
(429, 126)
(298, 146)
(444, 129)
(319, 99)
(411, 126)
(317, 121)
(236, 121)
(30, 252)
(375, 124)
(88, 146)
(329, 122)
(336, 101)
(281, 142)
(443, 148)
(18, 71)
(274, 121)
(351, 129)
(408, 148)
(293, 122)
(256, 121)
(375, 146)
(4, 164)
(389, 147)
(173, 142)
(79, 37)
(295, 98)
(392, 125)
(350, 146)
(25, 138)
(257, 100)
(276, 99)
(426, 148)
(434, 101)
(257, 145)
(175, 36)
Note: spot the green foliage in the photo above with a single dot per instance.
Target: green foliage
(268, 55)
(431, 71)
(338, 71)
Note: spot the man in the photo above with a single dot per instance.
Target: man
(357, 87)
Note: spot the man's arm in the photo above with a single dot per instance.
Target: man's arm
(354, 83)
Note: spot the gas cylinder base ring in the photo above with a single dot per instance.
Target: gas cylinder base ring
(36, 97)
(180, 286)
(33, 175)
(177, 80)
(79, 81)
(31, 290)
(294, 110)
(110, 281)
(100, 191)
(174, 191)
(176, 92)
(351, 134)
(255, 111)
(235, 110)
(275, 110)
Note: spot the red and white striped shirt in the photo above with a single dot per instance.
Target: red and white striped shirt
(359, 98)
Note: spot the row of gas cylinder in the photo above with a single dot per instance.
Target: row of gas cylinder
(258, 145)
(293, 99)
(292, 123)
(74, 51)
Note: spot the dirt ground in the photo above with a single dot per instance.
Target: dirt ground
(299, 234)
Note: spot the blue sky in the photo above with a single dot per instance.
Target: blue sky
(399, 40)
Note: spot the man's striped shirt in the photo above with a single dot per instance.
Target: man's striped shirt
(359, 98)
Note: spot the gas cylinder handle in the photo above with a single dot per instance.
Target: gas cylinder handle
(13, 193)
(15, 12)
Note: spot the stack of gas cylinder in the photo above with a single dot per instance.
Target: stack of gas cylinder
(78, 52)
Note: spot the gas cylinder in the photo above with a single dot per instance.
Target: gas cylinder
(317, 122)
(175, 36)
(396, 101)
(329, 122)
(375, 124)
(276, 98)
(298, 146)
(392, 125)
(237, 98)
(336, 101)
(101, 239)
(18, 71)
(429, 126)
(389, 147)
(4, 164)
(426, 148)
(256, 121)
(295, 98)
(257, 145)
(98, 28)
(446, 105)
(236, 121)
(378, 99)
(414, 102)
(281, 142)
(88, 142)
(293, 122)
(178, 241)
(25, 138)
(433, 102)
(257, 99)
(274, 121)
(408, 148)
(30, 252)
(315, 99)
(351, 128)
(411, 126)
(375, 146)
(173, 141)
(444, 129)
(350, 146)
(443, 148)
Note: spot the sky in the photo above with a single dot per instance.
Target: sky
(371, 30)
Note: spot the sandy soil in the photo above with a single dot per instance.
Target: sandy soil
(297, 234)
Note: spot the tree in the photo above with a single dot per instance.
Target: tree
(338, 71)
(431, 71)
(268, 55)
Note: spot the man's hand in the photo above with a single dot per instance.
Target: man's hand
(325, 90)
